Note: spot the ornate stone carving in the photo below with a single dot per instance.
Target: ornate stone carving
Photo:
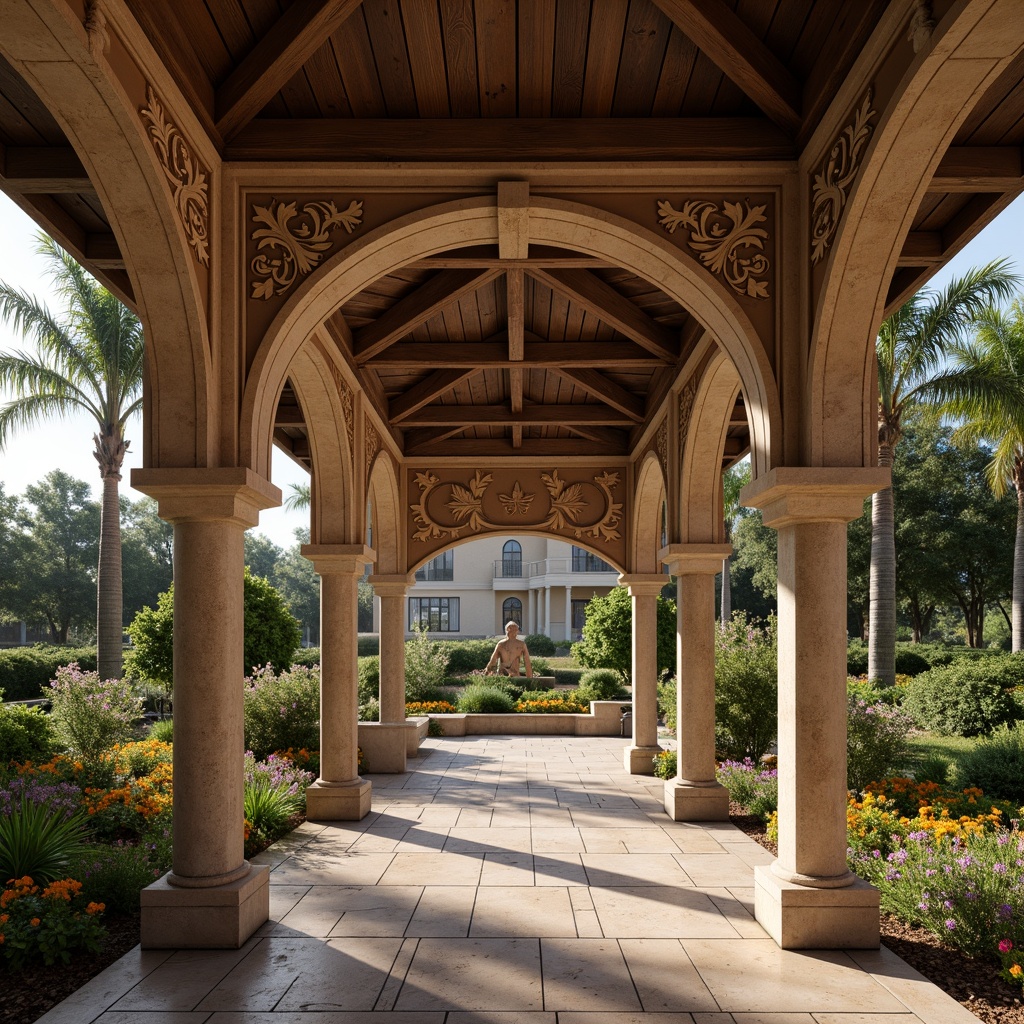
(922, 24)
(96, 28)
(832, 183)
(345, 394)
(566, 508)
(286, 249)
(187, 178)
(727, 239)
(661, 446)
(371, 444)
(686, 400)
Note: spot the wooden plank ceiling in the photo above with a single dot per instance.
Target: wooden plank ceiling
(480, 80)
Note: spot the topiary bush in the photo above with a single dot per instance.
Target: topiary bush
(307, 657)
(957, 701)
(485, 699)
(994, 764)
(282, 710)
(600, 684)
(465, 656)
(567, 676)
(25, 672)
(26, 734)
(540, 644)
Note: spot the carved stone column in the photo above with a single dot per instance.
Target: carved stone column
(695, 794)
(212, 897)
(339, 794)
(568, 614)
(638, 758)
(808, 899)
(391, 589)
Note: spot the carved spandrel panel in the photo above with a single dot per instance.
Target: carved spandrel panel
(580, 505)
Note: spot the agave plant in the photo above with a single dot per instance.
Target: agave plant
(39, 840)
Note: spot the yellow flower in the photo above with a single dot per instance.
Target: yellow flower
(95, 908)
(1016, 970)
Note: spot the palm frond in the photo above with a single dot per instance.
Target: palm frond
(25, 374)
(30, 410)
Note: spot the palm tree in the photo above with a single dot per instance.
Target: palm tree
(997, 352)
(88, 360)
(299, 499)
(913, 349)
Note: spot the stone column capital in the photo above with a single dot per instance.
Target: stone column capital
(339, 559)
(391, 584)
(231, 494)
(789, 495)
(694, 559)
(643, 584)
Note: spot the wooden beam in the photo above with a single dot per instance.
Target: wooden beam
(421, 394)
(517, 436)
(289, 416)
(598, 385)
(417, 307)
(498, 139)
(613, 309)
(50, 170)
(493, 354)
(303, 28)
(608, 436)
(459, 262)
(921, 249)
(533, 447)
(431, 435)
(979, 169)
(515, 303)
(503, 416)
(730, 44)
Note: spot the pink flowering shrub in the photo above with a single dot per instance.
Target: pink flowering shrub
(91, 714)
(876, 740)
(282, 710)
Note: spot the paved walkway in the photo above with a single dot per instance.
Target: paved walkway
(512, 879)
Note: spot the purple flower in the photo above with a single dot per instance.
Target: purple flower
(1005, 912)
(950, 924)
(999, 869)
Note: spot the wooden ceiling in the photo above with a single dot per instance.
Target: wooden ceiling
(537, 80)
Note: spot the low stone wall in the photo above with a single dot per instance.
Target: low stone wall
(603, 720)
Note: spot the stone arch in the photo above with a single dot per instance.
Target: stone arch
(333, 514)
(649, 497)
(701, 519)
(53, 53)
(385, 500)
(967, 51)
(468, 222)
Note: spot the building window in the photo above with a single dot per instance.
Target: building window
(579, 617)
(440, 569)
(512, 611)
(585, 561)
(435, 614)
(512, 559)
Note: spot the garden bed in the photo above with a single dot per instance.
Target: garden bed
(604, 720)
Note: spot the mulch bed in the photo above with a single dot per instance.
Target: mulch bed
(975, 984)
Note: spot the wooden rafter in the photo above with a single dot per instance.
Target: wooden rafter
(727, 41)
(610, 307)
(979, 169)
(289, 416)
(516, 305)
(538, 354)
(613, 138)
(51, 170)
(416, 308)
(293, 39)
(432, 386)
(600, 386)
(503, 416)
(532, 447)
(426, 436)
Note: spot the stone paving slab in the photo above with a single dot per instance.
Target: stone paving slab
(512, 880)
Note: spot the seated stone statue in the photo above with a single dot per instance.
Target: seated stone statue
(508, 653)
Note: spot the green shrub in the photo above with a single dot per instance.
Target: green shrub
(512, 685)
(994, 764)
(26, 734)
(857, 658)
(466, 656)
(485, 699)
(307, 657)
(282, 711)
(600, 684)
(25, 672)
(548, 694)
(751, 785)
(666, 764)
(667, 703)
(367, 645)
(272, 634)
(540, 643)
(116, 875)
(540, 667)
(91, 714)
(909, 662)
(956, 701)
(369, 678)
(426, 666)
(876, 741)
(369, 710)
(39, 840)
(567, 676)
(162, 730)
(933, 768)
(746, 688)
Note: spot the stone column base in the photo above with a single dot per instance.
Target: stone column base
(799, 917)
(385, 745)
(639, 760)
(686, 802)
(325, 802)
(221, 917)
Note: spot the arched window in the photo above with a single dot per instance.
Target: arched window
(512, 611)
(512, 559)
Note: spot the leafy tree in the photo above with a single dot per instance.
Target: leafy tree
(997, 353)
(300, 588)
(733, 481)
(146, 554)
(271, 632)
(54, 574)
(261, 555)
(89, 360)
(13, 539)
(912, 349)
(757, 549)
(608, 634)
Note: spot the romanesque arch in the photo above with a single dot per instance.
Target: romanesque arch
(475, 222)
(965, 53)
(648, 502)
(385, 502)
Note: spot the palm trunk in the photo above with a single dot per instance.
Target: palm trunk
(110, 452)
(882, 589)
(726, 611)
(1017, 607)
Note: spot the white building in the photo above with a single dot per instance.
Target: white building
(472, 590)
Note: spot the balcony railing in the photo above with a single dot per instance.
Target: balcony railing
(505, 568)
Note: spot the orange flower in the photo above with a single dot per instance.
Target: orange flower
(34, 922)
(1016, 970)
(95, 908)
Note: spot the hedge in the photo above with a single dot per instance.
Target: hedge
(26, 671)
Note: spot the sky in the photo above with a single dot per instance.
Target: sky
(67, 444)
